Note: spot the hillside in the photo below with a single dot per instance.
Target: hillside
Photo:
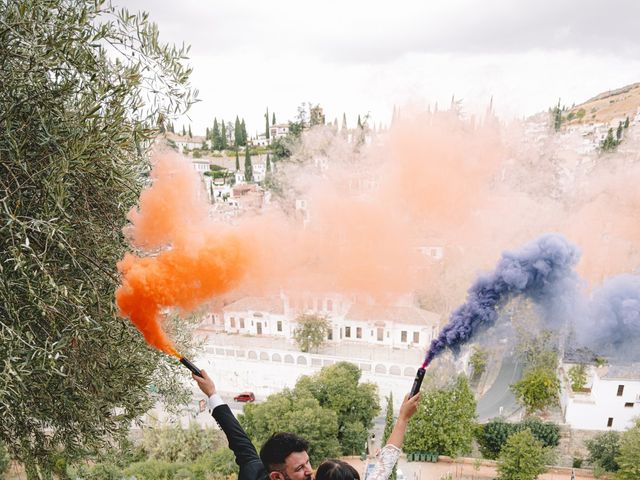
(608, 107)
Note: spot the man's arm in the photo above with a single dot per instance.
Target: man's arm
(247, 458)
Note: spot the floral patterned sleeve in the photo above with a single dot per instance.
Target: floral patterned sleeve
(387, 458)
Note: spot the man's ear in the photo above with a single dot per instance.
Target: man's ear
(276, 476)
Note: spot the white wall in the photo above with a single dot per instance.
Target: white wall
(591, 411)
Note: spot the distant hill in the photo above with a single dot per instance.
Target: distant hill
(607, 107)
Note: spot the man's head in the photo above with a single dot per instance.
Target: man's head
(285, 457)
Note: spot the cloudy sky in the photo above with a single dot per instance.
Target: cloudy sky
(364, 57)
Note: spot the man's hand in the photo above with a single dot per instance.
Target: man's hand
(205, 383)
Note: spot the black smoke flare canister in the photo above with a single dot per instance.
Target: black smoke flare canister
(417, 382)
(187, 363)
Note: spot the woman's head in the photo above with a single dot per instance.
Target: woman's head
(336, 470)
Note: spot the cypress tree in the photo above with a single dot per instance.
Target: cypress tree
(190, 135)
(223, 136)
(268, 167)
(216, 138)
(237, 161)
(273, 118)
(184, 132)
(359, 123)
(248, 167)
(344, 122)
(237, 133)
(266, 116)
(619, 132)
(243, 129)
(626, 122)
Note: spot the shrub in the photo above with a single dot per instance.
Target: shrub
(492, 437)
(603, 449)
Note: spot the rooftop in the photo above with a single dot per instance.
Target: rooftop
(384, 313)
(257, 304)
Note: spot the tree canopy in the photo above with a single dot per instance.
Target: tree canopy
(77, 110)
(521, 458)
(444, 422)
(331, 409)
(311, 332)
(628, 459)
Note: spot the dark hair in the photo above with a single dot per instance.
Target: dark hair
(336, 470)
(278, 447)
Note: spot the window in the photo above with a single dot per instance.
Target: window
(380, 334)
(330, 335)
(416, 337)
(628, 405)
(403, 336)
(620, 390)
(358, 332)
(241, 322)
(232, 322)
(279, 325)
(610, 422)
(347, 332)
(329, 305)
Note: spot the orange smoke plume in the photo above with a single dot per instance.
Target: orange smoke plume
(196, 261)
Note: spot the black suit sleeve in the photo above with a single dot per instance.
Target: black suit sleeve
(247, 458)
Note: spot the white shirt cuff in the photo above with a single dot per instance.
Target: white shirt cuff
(215, 400)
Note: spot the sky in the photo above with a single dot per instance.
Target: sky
(364, 57)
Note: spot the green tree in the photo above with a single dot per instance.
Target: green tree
(216, 136)
(338, 388)
(273, 118)
(77, 111)
(267, 131)
(311, 331)
(629, 457)
(248, 166)
(478, 361)
(190, 134)
(578, 376)
(619, 132)
(557, 117)
(5, 461)
(184, 132)
(298, 413)
(224, 142)
(626, 122)
(237, 161)
(609, 144)
(243, 129)
(444, 422)
(237, 131)
(538, 389)
(604, 449)
(493, 435)
(316, 116)
(521, 458)
(268, 166)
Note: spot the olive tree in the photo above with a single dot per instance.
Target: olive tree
(84, 87)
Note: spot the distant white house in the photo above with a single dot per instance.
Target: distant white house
(350, 321)
(260, 141)
(279, 130)
(609, 401)
(183, 143)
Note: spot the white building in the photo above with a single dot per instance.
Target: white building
(351, 321)
(609, 400)
(279, 130)
(186, 142)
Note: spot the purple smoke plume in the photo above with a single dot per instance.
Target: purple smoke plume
(612, 324)
(542, 271)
